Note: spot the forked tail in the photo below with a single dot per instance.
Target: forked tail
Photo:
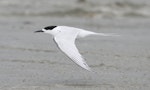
(107, 34)
(84, 33)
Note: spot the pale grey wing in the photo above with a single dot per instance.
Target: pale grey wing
(67, 45)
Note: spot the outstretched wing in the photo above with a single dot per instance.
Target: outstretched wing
(66, 43)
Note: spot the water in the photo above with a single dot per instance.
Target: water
(75, 8)
(32, 61)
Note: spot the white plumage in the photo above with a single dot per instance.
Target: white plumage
(65, 37)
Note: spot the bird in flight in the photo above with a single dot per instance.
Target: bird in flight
(65, 36)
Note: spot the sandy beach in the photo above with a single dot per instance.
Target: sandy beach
(30, 61)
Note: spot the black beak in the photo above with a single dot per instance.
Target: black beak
(39, 31)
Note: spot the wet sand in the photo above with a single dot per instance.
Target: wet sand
(30, 61)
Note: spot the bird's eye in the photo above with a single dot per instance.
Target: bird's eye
(49, 27)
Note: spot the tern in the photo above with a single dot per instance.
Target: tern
(65, 36)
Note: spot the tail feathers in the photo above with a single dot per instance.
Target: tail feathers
(107, 34)
(88, 33)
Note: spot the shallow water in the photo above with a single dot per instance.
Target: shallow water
(30, 61)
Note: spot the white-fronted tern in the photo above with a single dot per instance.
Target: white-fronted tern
(65, 36)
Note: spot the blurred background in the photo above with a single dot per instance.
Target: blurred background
(76, 8)
(30, 61)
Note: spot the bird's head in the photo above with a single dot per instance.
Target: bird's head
(48, 29)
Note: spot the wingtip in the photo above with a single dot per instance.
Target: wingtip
(91, 71)
(88, 68)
